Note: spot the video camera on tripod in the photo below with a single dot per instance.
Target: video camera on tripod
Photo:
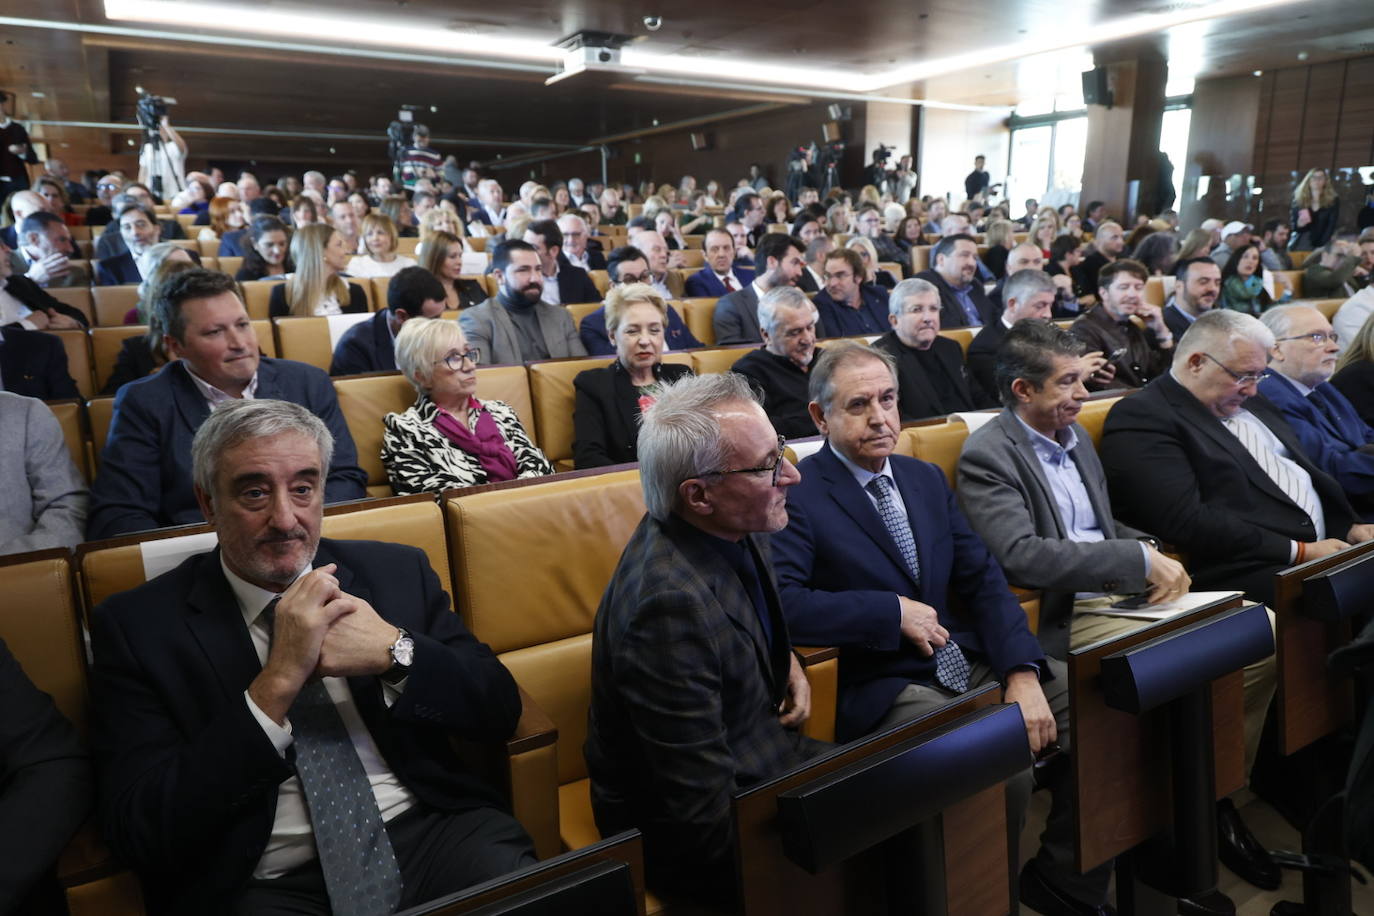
(150, 110)
(400, 135)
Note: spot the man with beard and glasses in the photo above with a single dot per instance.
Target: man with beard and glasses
(515, 326)
(1135, 354)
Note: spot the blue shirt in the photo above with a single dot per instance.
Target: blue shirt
(975, 320)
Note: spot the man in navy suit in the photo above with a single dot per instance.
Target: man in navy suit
(579, 249)
(1299, 384)
(139, 228)
(34, 364)
(630, 265)
(370, 346)
(564, 284)
(273, 718)
(720, 276)
(145, 469)
(874, 547)
(850, 307)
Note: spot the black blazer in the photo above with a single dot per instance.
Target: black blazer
(34, 364)
(981, 357)
(119, 270)
(365, 347)
(1174, 470)
(277, 307)
(1356, 382)
(951, 312)
(40, 300)
(189, 779)
(135, 361)
(574, 286)
(917, 398)
(606, 414)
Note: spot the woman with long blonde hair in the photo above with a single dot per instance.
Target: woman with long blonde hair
(316, 288)
(1316, 210)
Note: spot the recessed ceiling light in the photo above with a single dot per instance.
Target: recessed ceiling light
(39, 95)
(1258, 73)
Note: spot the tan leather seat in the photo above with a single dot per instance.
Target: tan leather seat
(69, 417)
(78, 297)
(477, 242)
(105, 346)
(77, 344)
(366, 399)
(208, 248)
(601, 279)
(1154, 291)
(1291, 279)
(229, 265)
(1093, 415)
(717, 359)
(962, 336)
(692, 258)
(581, 310)
(257, 297)
(305, 340)
(697, 314)
(938, 443)
(380, 286)
(1327, 307)
(920, 258)
(99, 413)
(112, 303)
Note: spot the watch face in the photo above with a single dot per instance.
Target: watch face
(403, 653)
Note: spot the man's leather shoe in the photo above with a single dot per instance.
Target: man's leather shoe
(1241, 852)
(1212, 903)
(1043, 897)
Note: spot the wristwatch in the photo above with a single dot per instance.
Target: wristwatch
(402, 657)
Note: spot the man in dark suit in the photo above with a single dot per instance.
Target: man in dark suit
(736, 319)
(111, 243)
(629, 265)
(370, 346)
(931, 378)
(48, 251)
(579, 249)
(34, 364)
(695, 691)
(813, 275)
(47, 789)
(139, 228)
(873, 549)
(145, 469)
(1029, 294)
(720, 277)
(272, 718)
(564, 284)
(1109, 243)
(848, 306)
(1034, 490)
(780, 370)
(1202, 462)
(963, 303)
(1299, 384)
(44, 313)
(1136, 353)
(1197, 284)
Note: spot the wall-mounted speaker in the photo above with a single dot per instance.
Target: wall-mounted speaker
(830, 131)
(838, 112)
(1096, 91)
(701, 140)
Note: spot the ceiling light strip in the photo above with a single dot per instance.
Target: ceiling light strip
(379, 137)
(818, 94)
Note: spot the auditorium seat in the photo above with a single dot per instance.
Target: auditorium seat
(962, 336)
(601, 279)
(1094, 414)
(920, 258)
(209, 247)
(1154, 291)
(1327, 307)
(718, 359)
(380, 285)
(78, 297)
(366, 399)
(891, 267)
(80, 233)
(312, 340)
(190, 245)
(407, 246)
(696, 242)
(1291, 279)
(227, 264)
(581, 310)
(69, 417)
(938, 443)
(692, 258)
(697, 313)
(187, 220)
(257, 296)
(551, 387)
(78, 347)
(112, 303)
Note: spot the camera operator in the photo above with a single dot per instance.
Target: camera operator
(15, 150)
(419, 160)
(902, 181)
(162, 161)
(876, 173)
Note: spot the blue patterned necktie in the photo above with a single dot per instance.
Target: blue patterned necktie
(951, 665)
(360, 870)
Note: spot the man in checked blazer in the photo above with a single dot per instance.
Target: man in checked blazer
(696, 693)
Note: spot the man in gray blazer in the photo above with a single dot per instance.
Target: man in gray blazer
(515, 326)
(42, 497)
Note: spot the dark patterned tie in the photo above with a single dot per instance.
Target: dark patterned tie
(360, 870)
(951, 665)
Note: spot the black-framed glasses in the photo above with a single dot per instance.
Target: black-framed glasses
(1241, 380)
(1317, 337)
(455, 360)
(775, 467)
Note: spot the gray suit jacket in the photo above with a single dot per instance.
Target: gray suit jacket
(736, 318)
(489, 327)
(1003, 490)
(42, 497)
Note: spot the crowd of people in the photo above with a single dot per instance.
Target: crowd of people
(268, 716)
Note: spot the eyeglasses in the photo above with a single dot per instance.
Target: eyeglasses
(1317, 337)
(775, 467)
(455, 360)
(1241, 380)
(645, 277)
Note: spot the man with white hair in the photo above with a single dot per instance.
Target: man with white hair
(695, 691)
(577, 192)
(1332, 434)
(780, 370)
(490, 196)
(578, 248)
(1201, 462)
(931, 378)
(1029, 294)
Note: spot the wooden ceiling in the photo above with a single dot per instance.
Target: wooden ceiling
(314, 103)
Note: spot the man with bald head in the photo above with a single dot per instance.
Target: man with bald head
(669, 284)
(1109, 243)
(22, 204)
(1332, 434)
(1202, 462)
(1025, 256)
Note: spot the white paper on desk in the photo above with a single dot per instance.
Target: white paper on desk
(475, 262)
(340, 323)
(974, 420)
(1188, 602)
(1268, 281)
(167, 553)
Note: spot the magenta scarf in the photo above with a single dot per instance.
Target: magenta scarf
(487, 443)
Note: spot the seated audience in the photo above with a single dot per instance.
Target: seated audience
(26, 305)
(145, 470)
(807, 227)
(227, 215)
(45, 243)
(669, 283)
(318, 287)
(931, 378)
(449, 438)
(369, 346)
(1001, 238)
(111, 243)
(1197, 286)
(139, 228)
(1158, 252)
(954, 274)
(1135, 354)
(1354, 376)
(348, 224)
(851, 575)
(869, 222)
(42, 496)
(1108, 244)
(1028, 294)
(1332, 434)
(357, 200)
(516, 325)
(304, 211)
(396, 208)
(720, 277)
(268, 256)
(812, 278)
(629, 265)
(849, 306)
(1063, 540)
(436, 220)
(610, 401)
(34, 364)
(1274, 248)
(379, 243)
(146, 353)
(1333, 271)
(1043, 233)
(1235, 235)
(444, 259)
(686, 709)
(237, 770)
(873, 276)
(780, 370)
(1201, 462)
(579, 247)
(151, 266)
(100, 213)
(1196, 244)
(1242, 284)
(58, 202)
(564, 283)
(779, 260)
